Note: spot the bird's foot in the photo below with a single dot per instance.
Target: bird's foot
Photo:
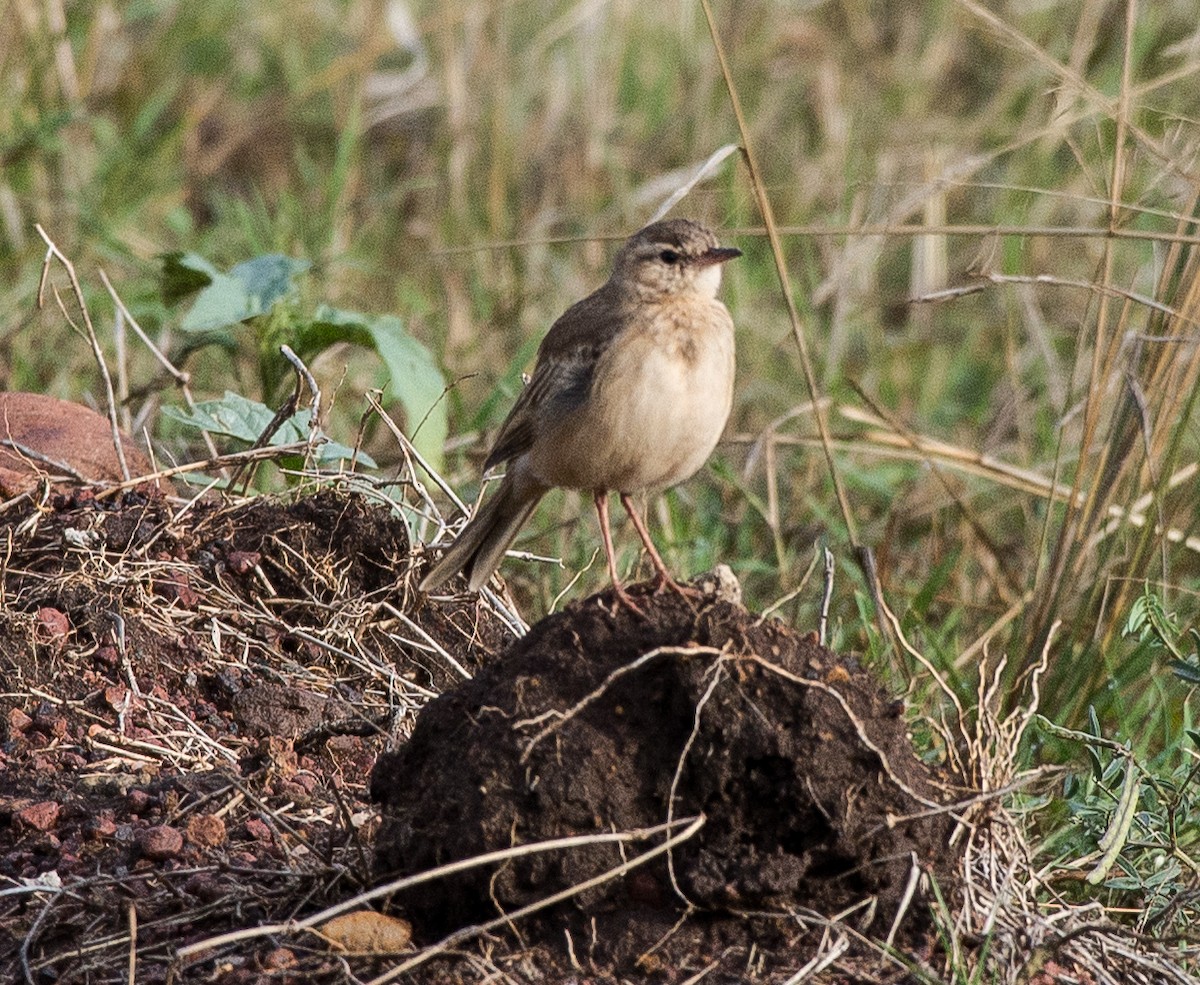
(623, 598)
(664, 582)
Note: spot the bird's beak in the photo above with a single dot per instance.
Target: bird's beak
(718, 254)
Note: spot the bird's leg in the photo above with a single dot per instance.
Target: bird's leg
(662, 577)
(606, 535)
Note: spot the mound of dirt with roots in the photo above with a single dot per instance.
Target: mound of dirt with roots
(782, 773)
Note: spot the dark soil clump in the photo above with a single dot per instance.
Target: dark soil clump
(601, 721)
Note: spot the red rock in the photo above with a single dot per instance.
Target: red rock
(65, 432)
(18, 721)
(108, 656)
(101, 827)
(138, 800)
(52, 624)
(306, 781)
(295, 793)
(257, 829)
(42, 816)
(176, 587)
(242, 562)
(49, 721)
(160, 842)
(205, 831)
(205, 887)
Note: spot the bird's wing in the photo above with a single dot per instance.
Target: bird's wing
(562, 377)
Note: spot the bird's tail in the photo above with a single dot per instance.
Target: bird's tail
(481, 544)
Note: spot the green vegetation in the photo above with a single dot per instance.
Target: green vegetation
(990, 220)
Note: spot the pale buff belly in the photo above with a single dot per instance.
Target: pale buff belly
(651, 420)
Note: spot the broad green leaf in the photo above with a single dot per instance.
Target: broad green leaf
(332, 325)
(414, 377)
(224, 302)
(269, 277)
(183, 274)
(249, 289)
(234, 416)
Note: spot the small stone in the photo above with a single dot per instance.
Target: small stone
(138, 800)
(49, 721)
(18, 721)
(52, 624)
(296, 793)
(205, 831)
(278, 958)
(42, 816)
(242, 562)
(100, 827)
(257, 829)
(306, 781)
(160, 842)
(175, 586)
(204, 887)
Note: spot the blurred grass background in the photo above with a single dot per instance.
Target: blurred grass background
(1026, 168)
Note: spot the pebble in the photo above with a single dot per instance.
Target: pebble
(205, 831)
(42, 816)
(160, 842)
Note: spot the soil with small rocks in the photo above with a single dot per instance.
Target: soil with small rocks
(192, 703)
(221, 718)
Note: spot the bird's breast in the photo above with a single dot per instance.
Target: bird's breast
(659, 400)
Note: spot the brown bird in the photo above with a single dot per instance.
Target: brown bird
(631, 391)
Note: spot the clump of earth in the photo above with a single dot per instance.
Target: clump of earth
(790, 768)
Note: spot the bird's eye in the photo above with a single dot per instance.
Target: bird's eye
(669, 256)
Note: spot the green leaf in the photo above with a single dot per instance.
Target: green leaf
(251, 288)
(331, 325)
(415, 379)
(1186, 670)
(183, 274)
(234, 416)
(223, 303)
(269, 277)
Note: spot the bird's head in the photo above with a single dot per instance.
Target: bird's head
(673, 257)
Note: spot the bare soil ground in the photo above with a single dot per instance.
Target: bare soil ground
(195, 698)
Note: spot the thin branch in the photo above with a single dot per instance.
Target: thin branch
(54, 253)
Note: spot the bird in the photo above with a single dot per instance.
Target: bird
(630, 392)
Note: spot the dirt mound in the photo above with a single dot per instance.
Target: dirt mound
(600, 721)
